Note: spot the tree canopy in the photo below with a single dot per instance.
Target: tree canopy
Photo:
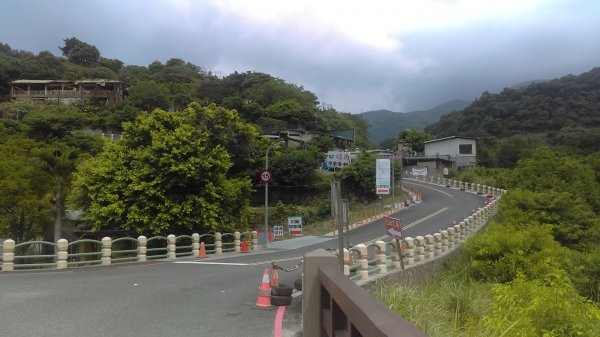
(169, 174)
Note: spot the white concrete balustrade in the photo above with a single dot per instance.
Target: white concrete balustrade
(106, 251)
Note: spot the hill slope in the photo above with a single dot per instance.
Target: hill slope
(384, 124)
(547, 108)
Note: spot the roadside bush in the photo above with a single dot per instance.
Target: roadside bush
(548, 307)
(502, 252)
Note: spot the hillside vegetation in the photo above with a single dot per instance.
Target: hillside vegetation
(385, 124)
(187, 153)
(563, 111)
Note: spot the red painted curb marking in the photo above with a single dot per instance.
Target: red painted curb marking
(278, 328)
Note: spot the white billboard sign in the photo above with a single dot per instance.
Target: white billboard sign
(383, 177)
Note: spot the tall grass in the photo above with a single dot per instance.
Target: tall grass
(453, 305)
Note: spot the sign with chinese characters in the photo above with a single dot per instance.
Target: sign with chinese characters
(393, 227)
(295, 225)
(383, 173)
(277, 231)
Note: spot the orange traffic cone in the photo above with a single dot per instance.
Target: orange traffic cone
(264, 291)
(274, 278)
(245, 247)
(202, 253)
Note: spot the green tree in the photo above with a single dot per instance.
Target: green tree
(295, 167)
(415, 139)
(80, 52)
(50, 123)
(150, 95)
(358, 179)
(24, 191)
(59, 163)
(165, 176)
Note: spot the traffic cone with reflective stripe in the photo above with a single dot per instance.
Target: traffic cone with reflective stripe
(202, 253)
(264, 291)
(274, 278)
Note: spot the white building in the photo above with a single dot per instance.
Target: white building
(460, 150)
(444, 155)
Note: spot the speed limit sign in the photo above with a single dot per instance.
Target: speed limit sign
(265, 176)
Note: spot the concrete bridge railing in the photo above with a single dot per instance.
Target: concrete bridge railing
(65, 254)
(334, 305)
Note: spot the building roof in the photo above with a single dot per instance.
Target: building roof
(447, 138)
(98, 81)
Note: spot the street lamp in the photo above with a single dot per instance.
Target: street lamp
(267, 193)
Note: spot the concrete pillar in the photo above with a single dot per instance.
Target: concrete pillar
(437, 244)
(311, 290)
(62, 253)
(409, 251)
(171, 247)
(381, 257)
(458, 234)
(420, 249)
(236, 242)
(255, 245)
(478, 188)
(218, 243)
(465, 229)
(8, 255)
(195, 244)
(395, 254)
(106, 251)
(363, 261)
(142, 249)
(444, 241)
(347, 262)
(429, 241)
(451, 238)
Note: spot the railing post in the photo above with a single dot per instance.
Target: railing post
(171, 248)
(459, 235)
(363, 261)
(195, 244)
(409, 252)
(381, 257)
(346, 262)
(420, 249)
(8, 255)
(472, 224)
(450, 238)
(255, 245)
(437, 245)
(218, 243)
(429, 254)
(106, 250)
(236, 242)
(62, 254)
(444, 240)
(142, 248)
(396, 255)
(465, 229)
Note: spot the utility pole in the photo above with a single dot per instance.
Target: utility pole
(266, 245)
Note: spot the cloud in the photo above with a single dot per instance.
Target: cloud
(355, 55)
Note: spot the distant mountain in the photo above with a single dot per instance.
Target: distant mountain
(384, 124)
(564, 110)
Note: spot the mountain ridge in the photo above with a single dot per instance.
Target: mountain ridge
(385, 124)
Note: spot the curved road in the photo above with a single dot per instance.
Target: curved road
(212, 297)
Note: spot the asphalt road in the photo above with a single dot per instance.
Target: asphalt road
(212, 297)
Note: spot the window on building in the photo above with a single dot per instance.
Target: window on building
(465, 149)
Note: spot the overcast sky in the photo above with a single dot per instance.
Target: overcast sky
(400, 55)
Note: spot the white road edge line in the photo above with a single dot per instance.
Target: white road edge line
(214, 263)
(431, 188)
